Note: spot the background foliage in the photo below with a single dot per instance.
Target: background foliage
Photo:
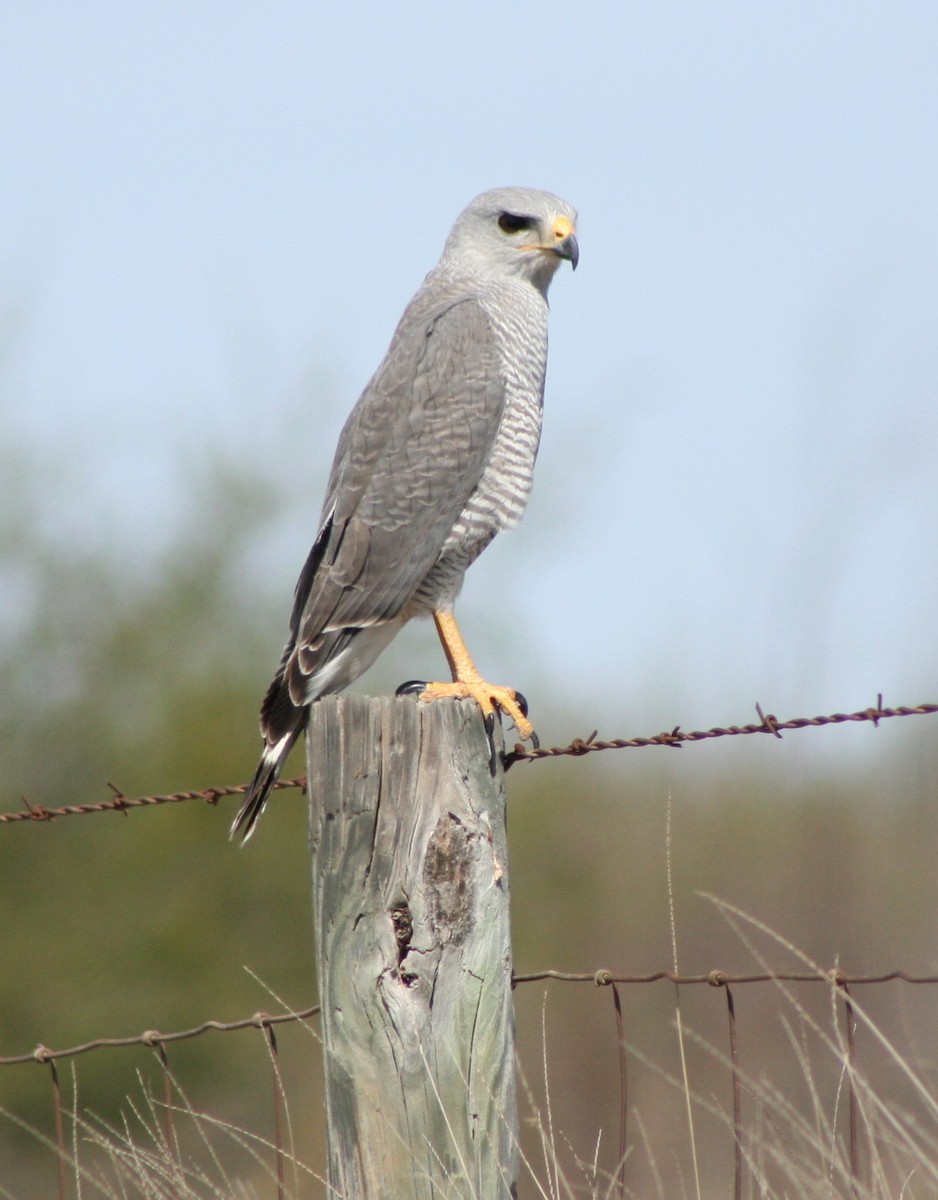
(212, 214)
(147, 673)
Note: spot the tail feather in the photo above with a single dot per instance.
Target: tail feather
(329, 665)
(268, 770)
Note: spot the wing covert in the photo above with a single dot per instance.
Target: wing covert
(410, 456)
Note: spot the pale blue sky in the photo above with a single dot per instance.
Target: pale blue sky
(212, 214)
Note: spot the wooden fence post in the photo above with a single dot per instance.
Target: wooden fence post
(410, 893)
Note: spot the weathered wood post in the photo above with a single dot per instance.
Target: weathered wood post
(410, 892)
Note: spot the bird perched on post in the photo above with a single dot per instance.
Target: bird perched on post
(435, 459)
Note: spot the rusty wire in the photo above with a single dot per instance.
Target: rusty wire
(172, 1142)
(122, 803)
(850, 1021)
(59, 1128)
(676, 737)
(623, 1092)
(576, 749)
(262, 1021)
(601, 978)
(154, 1038)
(836, 978)
(718, 978)
(737, 1098)
(768, 724)
(278, 1103)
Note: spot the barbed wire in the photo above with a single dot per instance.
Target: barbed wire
(716, 978)
(576, 749)
(122, 803)
(676, 738)
(835, 978)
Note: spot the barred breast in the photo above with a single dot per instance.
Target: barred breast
(519, 324)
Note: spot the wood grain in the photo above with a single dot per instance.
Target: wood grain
(411, 902)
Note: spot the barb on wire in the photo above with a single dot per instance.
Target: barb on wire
(121, 803)
(576, 749)
(677, 738)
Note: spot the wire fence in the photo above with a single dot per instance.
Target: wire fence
(840, 982)
(675, 738)
(601, 978)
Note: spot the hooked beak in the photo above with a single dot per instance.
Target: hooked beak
(563, 244)
(569, 249)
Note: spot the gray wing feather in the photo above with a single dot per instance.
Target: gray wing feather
(409, 458)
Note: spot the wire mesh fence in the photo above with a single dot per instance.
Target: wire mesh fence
(852, 1040)
(733, 987)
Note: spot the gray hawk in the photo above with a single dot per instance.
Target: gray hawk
(434, 460)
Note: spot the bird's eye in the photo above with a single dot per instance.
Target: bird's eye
(512, 223)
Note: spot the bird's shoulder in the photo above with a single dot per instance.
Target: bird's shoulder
(447, 317)
(443, 363)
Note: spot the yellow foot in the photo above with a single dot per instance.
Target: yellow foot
(488, 696)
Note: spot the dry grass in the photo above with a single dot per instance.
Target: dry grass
(794, 1135)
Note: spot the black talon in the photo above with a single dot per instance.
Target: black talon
(522, 703)
(413, 687)
(489, 723)
(535, 740)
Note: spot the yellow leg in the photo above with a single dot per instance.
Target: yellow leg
(468, 682)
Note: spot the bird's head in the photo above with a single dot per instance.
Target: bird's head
(514, 233)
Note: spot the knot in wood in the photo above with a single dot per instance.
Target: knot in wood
(403, 924)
